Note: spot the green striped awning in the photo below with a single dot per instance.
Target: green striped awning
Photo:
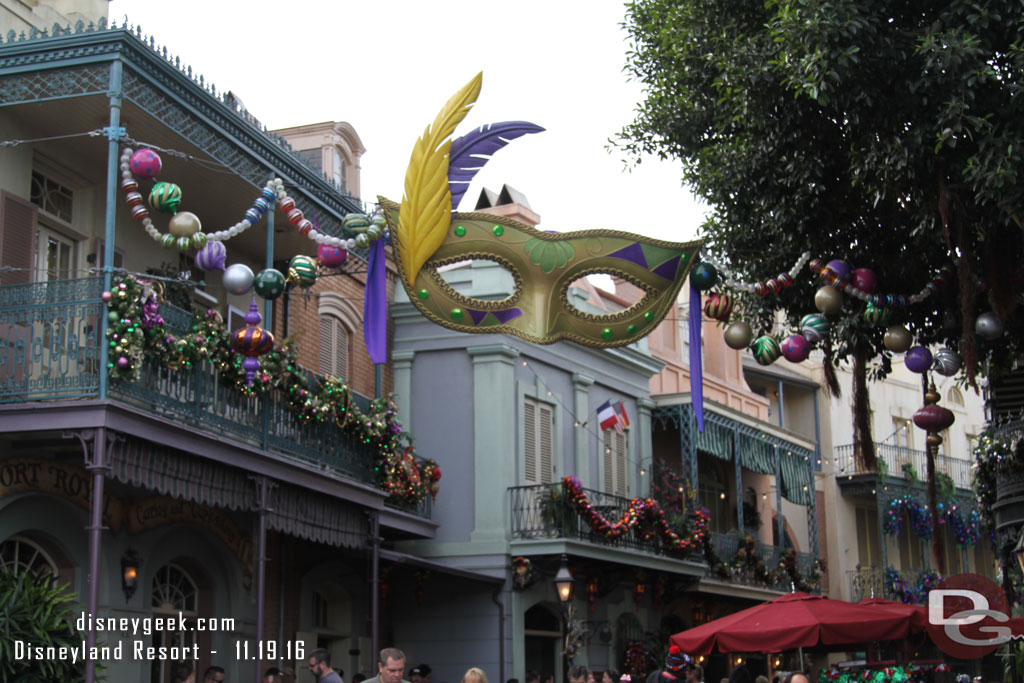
(797, 486)
(716, 440)
(756, 454)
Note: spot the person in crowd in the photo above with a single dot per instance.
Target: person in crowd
(547, 678)
(420, 674)
(319, 663)
(741, 674)
(610, 676)
(512, 680)
(578, 674)
(474, 675)
(273, 675)
(532, 677)
(675, 667)
(798, 677)
(214, 674)
(761, 679)
(590, 676)
(391, 667)
(695, 674)
(182, 673)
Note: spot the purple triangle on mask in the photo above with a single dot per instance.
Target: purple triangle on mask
(633, 253)
(505, 316)
(668, 269)
(477, 316)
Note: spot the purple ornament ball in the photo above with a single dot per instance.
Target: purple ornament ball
(796, 348)
(840, 269)
(212, 256)
(145, 163)
(331, 257)
(122, 362)
(864, 279)
(918, 359)
(106, 296)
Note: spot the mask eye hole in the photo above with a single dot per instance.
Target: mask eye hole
(493, 281)
(584, 299)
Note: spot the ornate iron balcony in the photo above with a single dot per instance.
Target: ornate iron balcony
(902, 463)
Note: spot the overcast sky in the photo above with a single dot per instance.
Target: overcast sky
(387, 67)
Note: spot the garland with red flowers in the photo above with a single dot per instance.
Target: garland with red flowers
(642, 514)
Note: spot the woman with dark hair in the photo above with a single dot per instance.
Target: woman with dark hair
(610, 676)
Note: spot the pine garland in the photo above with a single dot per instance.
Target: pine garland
(137, 330)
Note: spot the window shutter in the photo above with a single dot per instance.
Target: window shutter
(17, 238)
(608, 458)
(547, 458)
(620, 464)
(341, 342)
(326, 345)
(530, 441)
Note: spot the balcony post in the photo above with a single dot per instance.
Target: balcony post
(883, 542)
(780, 522)
(114, 134)
(739, 482)
(812, 510)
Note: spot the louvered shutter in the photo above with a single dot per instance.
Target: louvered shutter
(17, 238)
(326, 345)
(546, 455)
(341, 342)
(608, 458)
(620, 464)
(530, 442)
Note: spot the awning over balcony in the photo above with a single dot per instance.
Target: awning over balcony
(294, 511)
(757, 449)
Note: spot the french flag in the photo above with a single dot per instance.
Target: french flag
(607, 416)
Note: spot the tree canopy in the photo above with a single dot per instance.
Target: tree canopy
(886, 134)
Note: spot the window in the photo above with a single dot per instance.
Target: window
(911, 555)
(614, 459)
(313, 157)
(19, 555)
(174, 591)
(868, 550)
(903, 431)
(340, 167)
(334, 347)
(711, 492)
(17, 238)
(954, 553)
(56, 256)
(52, 197)
(955, 397)
(538, 444)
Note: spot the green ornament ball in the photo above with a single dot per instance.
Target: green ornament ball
(167, 241)
(302, 270)
(269, 283)
(766, 350)
(703, 276)
(165, 197)
(877, 315)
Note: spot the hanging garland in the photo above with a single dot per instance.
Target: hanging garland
(643, 515)
(136, 330)
(966, 529)
(789, 568)
(908, 673)
(904, 591)
(636, 660)
(920, 517)
(994, 459)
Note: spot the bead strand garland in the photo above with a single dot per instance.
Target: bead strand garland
(771, 286)
(272, 192)
(818, 267)
(369, 229)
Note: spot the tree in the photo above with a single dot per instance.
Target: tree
(36, 609)
(886, 134)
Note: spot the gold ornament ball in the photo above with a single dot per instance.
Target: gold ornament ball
(898, 339)
(185, 224)
(934, 440)
(738, 335)
(828, 300)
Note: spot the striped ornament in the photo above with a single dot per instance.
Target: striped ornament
(165, 197)
(252, 341)
(302, 270)
(814, 327)
(876, 315)
(718, 306)
(766, 350)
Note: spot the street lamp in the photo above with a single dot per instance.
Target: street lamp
(563, 581)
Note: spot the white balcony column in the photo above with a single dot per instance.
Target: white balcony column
(581, 435)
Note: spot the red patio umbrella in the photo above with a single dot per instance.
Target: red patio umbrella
(792, 621)
(918, 614)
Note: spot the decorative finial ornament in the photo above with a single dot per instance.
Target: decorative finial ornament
(252, 341)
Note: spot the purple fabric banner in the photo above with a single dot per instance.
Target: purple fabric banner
(375, 305)
(696, 366)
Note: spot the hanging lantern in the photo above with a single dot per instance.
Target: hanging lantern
(252, 341)
(592, 590)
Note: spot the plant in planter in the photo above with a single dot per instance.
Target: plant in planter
(910, 473)
(37, 609)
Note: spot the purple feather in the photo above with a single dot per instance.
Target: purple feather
(470, 152)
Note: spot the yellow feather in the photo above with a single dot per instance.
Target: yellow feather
(427, 203)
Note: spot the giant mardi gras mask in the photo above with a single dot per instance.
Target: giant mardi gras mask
(427, 234)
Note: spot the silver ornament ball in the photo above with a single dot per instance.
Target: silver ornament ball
(238, 278)
(946, 362)
(989, 326)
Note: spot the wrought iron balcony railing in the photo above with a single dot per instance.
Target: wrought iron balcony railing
(896, 461)
(726, 546)
(49, 351)
(544, 511)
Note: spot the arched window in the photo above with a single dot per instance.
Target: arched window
(174, 591)
(19, 555)
(955, 397)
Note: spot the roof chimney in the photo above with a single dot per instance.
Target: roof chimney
(510, 202)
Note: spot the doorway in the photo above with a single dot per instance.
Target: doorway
(542, 637)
